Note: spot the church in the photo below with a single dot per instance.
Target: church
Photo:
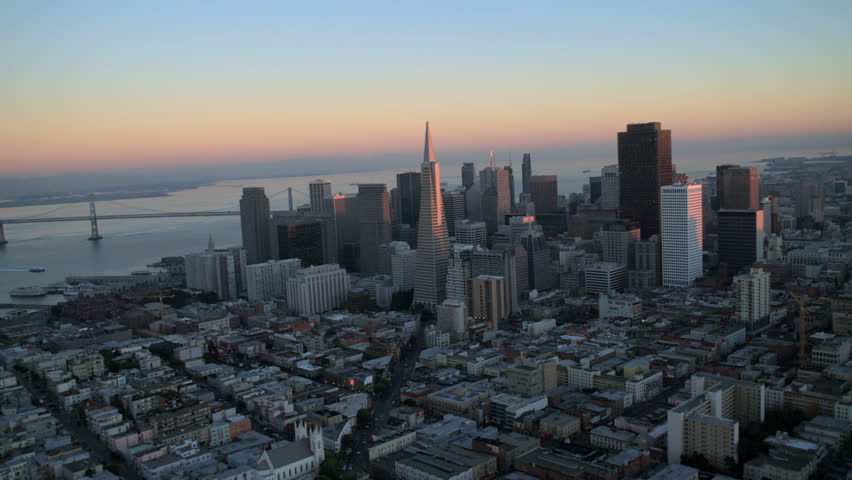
(299, 459)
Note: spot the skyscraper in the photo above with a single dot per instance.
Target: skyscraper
(470, 232)
(408, 186)
(294, 236)
(508, 168)
(617, 239)
(468, 175)
(254, 223)
(374, 223)
(459, 272)
(433, 247)
(526, 172)
(453, 209)
(737, 188)
(682, 234)
(489, 302)
(609, 187)
(319, 190)
(494, 185)
(811, 198)
(595, 190)
(740, 238)
(543, 193)
(645, 165)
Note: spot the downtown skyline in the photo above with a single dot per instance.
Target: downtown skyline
(119, 86)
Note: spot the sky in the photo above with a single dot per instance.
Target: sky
(106, 85)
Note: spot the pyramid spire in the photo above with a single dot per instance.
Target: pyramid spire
(211, 247)
(428, 151)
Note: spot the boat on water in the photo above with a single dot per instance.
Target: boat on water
(37, 269)
(28, 292)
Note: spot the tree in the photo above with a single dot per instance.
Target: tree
(381, 386)
(330, 467)
(347, 441)
(365, 417)
(402, 300)
(208, 297)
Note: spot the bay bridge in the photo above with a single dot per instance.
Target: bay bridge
(93, 217)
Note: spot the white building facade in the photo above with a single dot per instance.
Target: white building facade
(317, 289)
(682, 234)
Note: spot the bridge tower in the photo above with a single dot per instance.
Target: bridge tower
(93, 218)
(2, 235)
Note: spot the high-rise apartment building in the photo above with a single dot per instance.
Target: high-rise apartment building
(543, 193)
(468, 171)
(540, 272)
(752, 297)
(740, 238)
(254, 224)
(526, 172)
(408, 188)
(374, 224)
(618, 240)
(433, 246)
(453, 209)
(470, 232)
(489, 302)
(682, 235)
(221, 271)
(319, 191)
(737, 188)
(509, 262)
(317, 289)
(644, 165)
(268, 280)
(609, 187)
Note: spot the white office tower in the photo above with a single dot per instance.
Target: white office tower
(403, 266)
(752, 297)
(219, 271)
(609, 187)
(433, 247)
(682, 233)
(470, 232)
(319, 190)
(317, 289)
(266, 281)
(452, 318)
(459, 272)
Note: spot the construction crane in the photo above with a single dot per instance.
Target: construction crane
(151, 297)
(803, 329)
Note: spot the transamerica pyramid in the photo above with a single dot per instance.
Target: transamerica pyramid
(433, 247)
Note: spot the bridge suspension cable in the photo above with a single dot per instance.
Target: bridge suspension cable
(48, 212)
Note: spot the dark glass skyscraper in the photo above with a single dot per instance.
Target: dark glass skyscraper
(408, 186)
(737, 188)
(508, 168)
(645, 165)
(254, 224)
(374, 224)
(543, 193)
(526, 173)
(468, 175)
